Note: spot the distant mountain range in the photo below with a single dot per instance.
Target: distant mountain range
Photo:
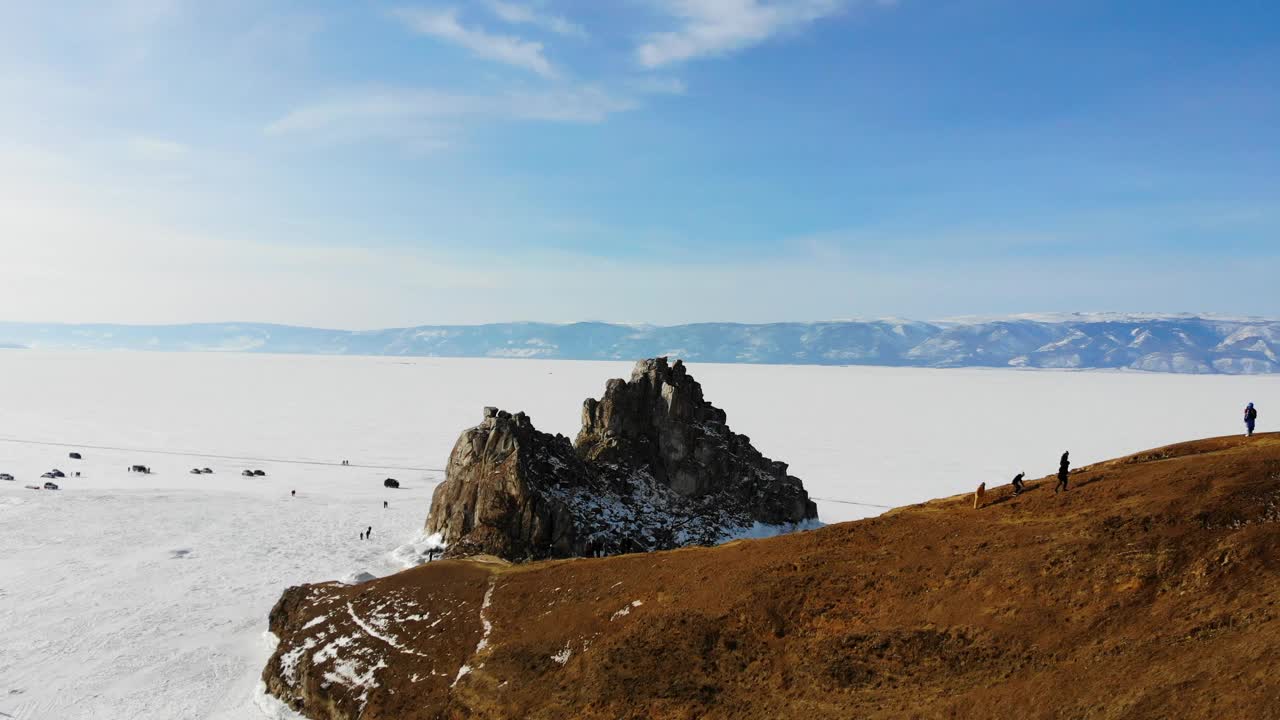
(1159, 343)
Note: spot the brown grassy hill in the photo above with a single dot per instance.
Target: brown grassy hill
(1149, 590)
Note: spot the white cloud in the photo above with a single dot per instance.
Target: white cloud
(507, 49)
(418, 116)
(716, 27)
(520, 14)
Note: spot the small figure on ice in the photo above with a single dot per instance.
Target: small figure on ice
(368, 533)
(1064, 466)
(293, 493)
(384, 504)
(1250, 419)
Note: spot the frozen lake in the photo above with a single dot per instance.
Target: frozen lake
(146, 596)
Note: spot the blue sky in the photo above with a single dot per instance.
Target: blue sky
(367, 164)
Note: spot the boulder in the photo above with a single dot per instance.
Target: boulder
(655, 466)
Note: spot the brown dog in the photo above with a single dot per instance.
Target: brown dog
(979, 496)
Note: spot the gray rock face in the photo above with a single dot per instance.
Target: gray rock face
(655, 467)
(659, 425)
(501, 487)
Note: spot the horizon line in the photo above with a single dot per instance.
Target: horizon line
(968, 319)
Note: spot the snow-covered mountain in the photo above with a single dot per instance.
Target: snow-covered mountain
(1178, 343)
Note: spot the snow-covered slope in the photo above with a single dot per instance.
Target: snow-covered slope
(1176, 343)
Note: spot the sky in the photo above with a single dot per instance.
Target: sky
(358, 164)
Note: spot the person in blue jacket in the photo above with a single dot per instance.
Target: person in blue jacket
(1250, 418)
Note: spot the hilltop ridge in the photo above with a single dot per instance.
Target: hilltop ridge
(1148, 590)
(1156, 343)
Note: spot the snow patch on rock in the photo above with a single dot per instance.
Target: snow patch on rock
(415, 552)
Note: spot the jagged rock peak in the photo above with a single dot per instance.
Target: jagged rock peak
(655, 466)
(656, 393)
(660, 422)
(654, 421)
(494, 499)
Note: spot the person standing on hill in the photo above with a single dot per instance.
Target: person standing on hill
(1064, 466)
(1250, 418)
(1017, 483)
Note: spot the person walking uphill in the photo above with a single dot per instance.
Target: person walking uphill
(1250, 418)
(1017, 483)
(1064, 466)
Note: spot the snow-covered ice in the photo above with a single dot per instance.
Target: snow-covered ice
(146, 596)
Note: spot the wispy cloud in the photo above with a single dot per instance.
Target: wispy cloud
(521, 14)
(429, 116)
(507, 49)
(717, 27)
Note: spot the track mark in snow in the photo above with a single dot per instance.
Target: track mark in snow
(391, 640)
(484, 621)
(484, 637)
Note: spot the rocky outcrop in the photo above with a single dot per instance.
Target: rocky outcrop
(659, 425)
(655, 466)
(506, 492)
(1151, 587)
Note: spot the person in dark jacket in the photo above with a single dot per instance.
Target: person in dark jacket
(1250, 418)
(368, 533)
(1017, 483)
(1064, 466)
